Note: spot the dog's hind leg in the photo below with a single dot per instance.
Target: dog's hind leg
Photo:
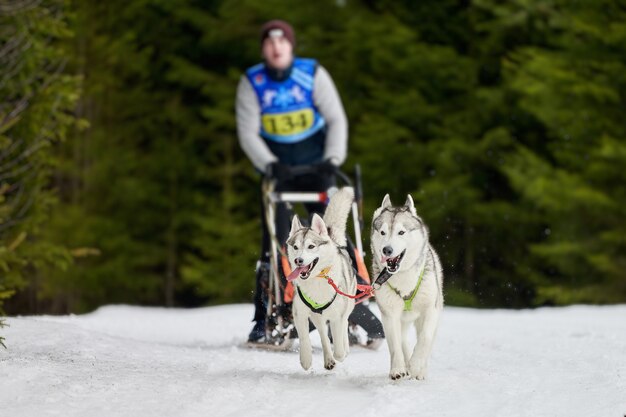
(393, 334)
(426, 327)
(301, 322)
(346, 341)
(322, 329)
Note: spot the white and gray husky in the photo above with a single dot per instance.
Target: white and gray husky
(408, 285)
(315, 253)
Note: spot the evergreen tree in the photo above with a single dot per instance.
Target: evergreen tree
(37, 94)
(124, 179)
(426, 120)
(576, 87)
(153, 187)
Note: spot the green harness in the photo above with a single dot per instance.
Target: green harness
(408, 300)
(314, 305)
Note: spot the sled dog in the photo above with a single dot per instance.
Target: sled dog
(408, 285)
(316, 253)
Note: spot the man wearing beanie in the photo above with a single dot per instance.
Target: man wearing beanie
(288, 114)
(288, 109)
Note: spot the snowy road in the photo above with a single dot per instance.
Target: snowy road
(131, 361)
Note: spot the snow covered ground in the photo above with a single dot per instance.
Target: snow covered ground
(131, 361)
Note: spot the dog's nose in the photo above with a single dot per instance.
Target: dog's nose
(387, 250)
(299, 261)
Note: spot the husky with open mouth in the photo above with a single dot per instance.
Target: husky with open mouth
(316, 253)
(408, 285)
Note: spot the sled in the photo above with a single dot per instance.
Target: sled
(279, 329)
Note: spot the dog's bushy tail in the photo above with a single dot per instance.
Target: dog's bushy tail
(336, 215)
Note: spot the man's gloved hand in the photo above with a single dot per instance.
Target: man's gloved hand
(326, 167)
(278, 171)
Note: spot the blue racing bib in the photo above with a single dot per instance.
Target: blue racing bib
(288, 114)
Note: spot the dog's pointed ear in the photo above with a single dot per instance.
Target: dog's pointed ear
(386, 202)
(409, 204)
(295, 225)
(318, 225)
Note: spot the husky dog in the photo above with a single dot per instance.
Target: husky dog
(315, 253)
(408, 285)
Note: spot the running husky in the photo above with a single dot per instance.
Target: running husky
(315, 253)
(408, 285)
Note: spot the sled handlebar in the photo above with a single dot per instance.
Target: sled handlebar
(300, 170)
(307, 196)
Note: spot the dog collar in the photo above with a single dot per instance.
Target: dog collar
(408, 299)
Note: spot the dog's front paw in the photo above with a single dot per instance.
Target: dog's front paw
(329, 363)
(418, 372)
(340, 355)
(397, 373)
(305, 360)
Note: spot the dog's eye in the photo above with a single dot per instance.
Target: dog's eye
(401, 232)
(295, 247)
(311, 246)
(382, 233)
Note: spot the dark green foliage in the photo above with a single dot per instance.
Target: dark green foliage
(154, 188)
(37, 96)
(502, 119)
(576, 88)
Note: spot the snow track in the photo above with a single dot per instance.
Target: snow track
(132, 361)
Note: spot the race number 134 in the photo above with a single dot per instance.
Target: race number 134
(288, 123)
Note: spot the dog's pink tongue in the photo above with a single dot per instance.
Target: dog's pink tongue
(296, 273)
